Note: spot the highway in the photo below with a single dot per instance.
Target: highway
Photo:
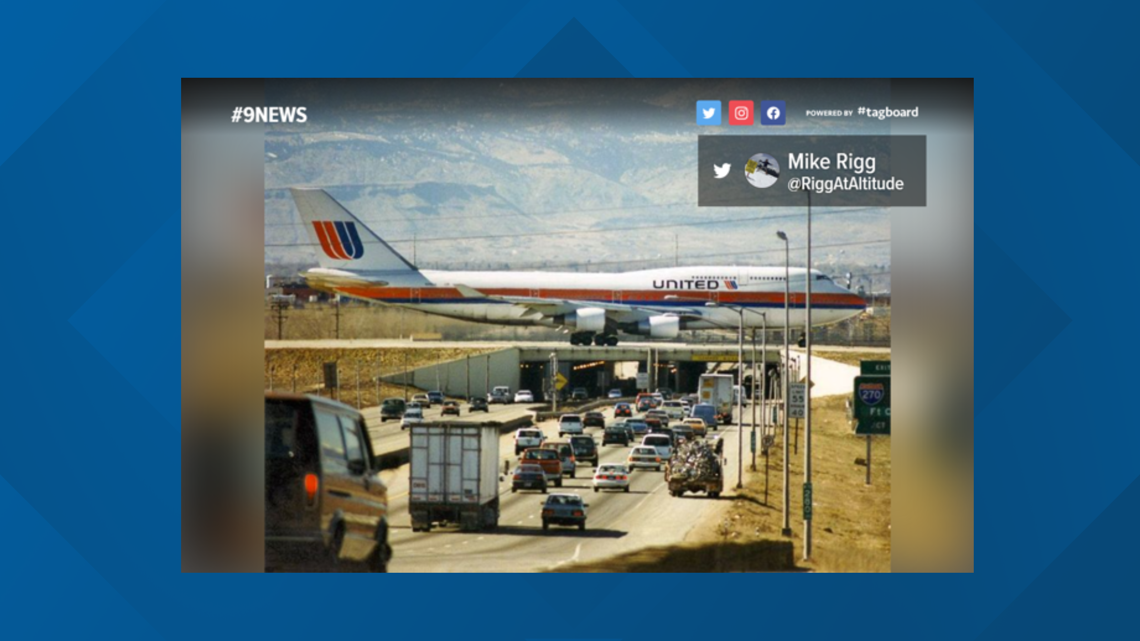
(617, 522)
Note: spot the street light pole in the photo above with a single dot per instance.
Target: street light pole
(787, 529)
(807, 394)
(753, 388)
(740, 403)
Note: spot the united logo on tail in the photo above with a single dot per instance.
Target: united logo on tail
(339, 239)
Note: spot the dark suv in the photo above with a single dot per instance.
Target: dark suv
(326, 508)
(585, 449)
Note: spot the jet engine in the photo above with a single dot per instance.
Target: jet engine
(666, 326)
(587, 319)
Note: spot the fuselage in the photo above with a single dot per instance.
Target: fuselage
(724, 295)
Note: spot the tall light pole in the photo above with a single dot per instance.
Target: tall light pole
(807, 395)
(787, 530)
(739, 395)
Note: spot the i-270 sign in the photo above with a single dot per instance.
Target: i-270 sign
(872, 404)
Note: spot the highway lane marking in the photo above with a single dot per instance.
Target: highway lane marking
(573, 559)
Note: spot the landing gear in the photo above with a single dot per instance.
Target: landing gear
(586, 338)
(581, 338)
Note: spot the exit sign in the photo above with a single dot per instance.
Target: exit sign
(875, 368)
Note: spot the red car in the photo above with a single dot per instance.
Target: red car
(623, 409)
(450, 407)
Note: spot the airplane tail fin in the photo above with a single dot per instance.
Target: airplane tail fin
(343, 241)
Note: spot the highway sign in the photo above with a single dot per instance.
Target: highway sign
(643, 380)
(560, 381)
(872, 404)
(753, 440)
(875, 368)
(796, 400)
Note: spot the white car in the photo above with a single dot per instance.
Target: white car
(524, 396)
(611, 476)
(674, 409)
(412, 416)
(660, 442)
(570, 424)
(644, 457)
(614, 393)
(422, 399)
(528, 437)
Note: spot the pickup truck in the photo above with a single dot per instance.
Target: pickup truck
(501, 394)
(548, 460)
(528, 437)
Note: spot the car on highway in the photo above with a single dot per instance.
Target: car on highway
(594, 419)
(705, 412)
(697, 425)
(477, 404)
(646, 456)
(528, 437)
(663, 443)
(682, 431)
(665, 393)
(654, 422)
(450, 407)
(564, 509)
(524, 396)
(570, 424)
(579, 394)
(435, 397)
(585, 449)
(618, 433)
(675, 410)
(423, 400)
(662, 415)
(392, 408)
(548, 460)
(500, 394)
(637, 426)
(611, 476)
(566, 456)
(623, 410)
(614, 393)
(411, 417)
(528, 477)
(325, 503)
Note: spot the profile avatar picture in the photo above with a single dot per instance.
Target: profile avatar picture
(762, 171)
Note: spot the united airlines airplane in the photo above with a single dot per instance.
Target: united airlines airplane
(593, 307)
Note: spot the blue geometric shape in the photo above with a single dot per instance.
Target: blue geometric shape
(42, 572)
(1096, 85)
(567, 51)
(45, 67)
(1033, 319)
(1061, 602)
(118, 320)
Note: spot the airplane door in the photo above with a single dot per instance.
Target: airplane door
(414, 295)
(535, 293)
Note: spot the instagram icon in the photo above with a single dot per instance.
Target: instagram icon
(740, 112)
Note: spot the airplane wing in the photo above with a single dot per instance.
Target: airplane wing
(557, 306)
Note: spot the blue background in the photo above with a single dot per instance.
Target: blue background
(89, 169)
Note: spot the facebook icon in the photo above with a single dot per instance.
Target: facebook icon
(772, 112)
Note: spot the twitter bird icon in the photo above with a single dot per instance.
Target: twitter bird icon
(708, 112)
(721, 170)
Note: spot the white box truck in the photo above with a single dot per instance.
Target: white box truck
(454, 476)
(717, 390)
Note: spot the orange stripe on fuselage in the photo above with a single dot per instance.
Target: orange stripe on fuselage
(428, 294)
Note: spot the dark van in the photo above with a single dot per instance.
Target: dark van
(326, 508)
